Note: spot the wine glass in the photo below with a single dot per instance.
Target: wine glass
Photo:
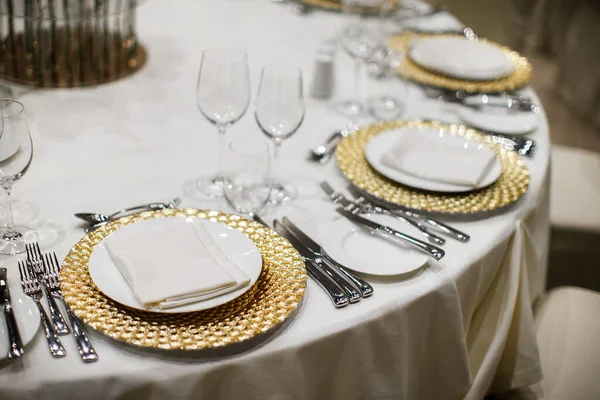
(360, 39)
(248, 175)
(386, 100)
(16, 153)
(279, 113)
(223, 96)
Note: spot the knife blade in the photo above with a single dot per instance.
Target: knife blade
(14, 337)
(365, 289)
(452, 232)
(337, 295)
(431, 250)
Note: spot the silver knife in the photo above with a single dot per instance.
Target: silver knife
(431, 250)
(454, 233)
(352, 292)
(337, 295)
(365, 289)
(14, 337)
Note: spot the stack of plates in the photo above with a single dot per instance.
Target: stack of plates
(98, 294)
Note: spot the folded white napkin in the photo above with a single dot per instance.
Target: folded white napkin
(461, 58)
(168, 267)
(450, 159)
(437, 22)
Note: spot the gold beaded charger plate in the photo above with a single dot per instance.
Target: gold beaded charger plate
(409, 69)
(269, 302)
(510, 186)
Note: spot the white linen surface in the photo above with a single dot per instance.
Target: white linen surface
(172, 266)
(450, 159)
(461, 58)
(430, 336)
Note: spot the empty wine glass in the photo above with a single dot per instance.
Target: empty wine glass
(386, 100)
(16, 153)
(248, 175)
(385, 60)
(223, 96)
(360, 38)
(279, 113)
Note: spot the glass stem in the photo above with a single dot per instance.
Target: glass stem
(357, 79)
(276, 145)
(11, 233)
(222, 145)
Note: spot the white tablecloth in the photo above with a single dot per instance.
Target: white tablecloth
(460, 327)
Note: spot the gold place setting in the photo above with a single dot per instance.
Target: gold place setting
(255, 207)
(229, 270)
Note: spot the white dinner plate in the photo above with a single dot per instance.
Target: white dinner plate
(461, 58)
(237, 246)
(381, 143)
(355, 247)
(500, 120)
(26, 314)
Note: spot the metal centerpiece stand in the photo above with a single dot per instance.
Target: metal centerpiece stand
(68, 43)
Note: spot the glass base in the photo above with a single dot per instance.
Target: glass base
(350, 108)
(385, 108)
(282, 193)
(12, 244)
(210, 187)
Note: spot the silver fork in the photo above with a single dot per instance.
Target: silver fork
(323, 152)
(34, 259)
(31, 287)
(364, 199)
(52, 281)
(355, 208)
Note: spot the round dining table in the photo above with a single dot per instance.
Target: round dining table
(459, 328)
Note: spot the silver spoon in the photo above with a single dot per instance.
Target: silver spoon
(97, 218)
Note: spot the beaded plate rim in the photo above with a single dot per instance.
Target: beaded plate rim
(510, 187)
(273, 298)
(408, 69)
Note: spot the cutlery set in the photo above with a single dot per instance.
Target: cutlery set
(372, 203)
(14, 337)
(342, 285)
(509, 101)
(354, 207)
(354, 211)
(39, 276)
